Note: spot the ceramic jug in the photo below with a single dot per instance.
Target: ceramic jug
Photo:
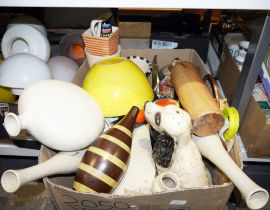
(106, 159)
(61, 163)
(212, 148)
(59, 114)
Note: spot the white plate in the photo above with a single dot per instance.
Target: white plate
(142, 63)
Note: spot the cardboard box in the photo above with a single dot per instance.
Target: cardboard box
(228, 73)
(267, 60)
(254, 127)
(255, 131)
(172, 41)
(134, 43)
(139, 30)
(215, 197)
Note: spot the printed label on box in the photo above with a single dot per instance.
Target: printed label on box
(157, 44)
(178, 202)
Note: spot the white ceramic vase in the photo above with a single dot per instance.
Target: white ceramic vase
(59, 114)
(166, 181)
(61, 163)
(212, 148)
(141, 170)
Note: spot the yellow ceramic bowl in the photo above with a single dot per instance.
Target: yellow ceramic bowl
(117, 84)
(6, 95)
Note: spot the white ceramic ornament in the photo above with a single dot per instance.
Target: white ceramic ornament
(20, 70)
(59, 114)
(186, 161)
(63, 68)
(23, 38)
(141, 169)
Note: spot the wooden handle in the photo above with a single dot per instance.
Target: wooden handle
(214, 85)
(196, 99)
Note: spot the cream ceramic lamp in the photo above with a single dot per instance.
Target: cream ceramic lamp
(59, 114)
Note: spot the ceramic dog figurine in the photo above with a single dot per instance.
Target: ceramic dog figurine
(186, 160)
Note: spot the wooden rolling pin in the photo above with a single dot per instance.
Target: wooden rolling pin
(196, 99)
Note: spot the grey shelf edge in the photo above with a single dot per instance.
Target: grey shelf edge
(251, 67)
(8, 148)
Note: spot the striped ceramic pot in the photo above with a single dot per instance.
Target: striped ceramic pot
(105, 161)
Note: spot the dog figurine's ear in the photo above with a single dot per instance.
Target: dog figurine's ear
(163, 150)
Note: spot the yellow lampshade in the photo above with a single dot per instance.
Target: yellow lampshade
(118, 84)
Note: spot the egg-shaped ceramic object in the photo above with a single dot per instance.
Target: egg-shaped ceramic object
(20, 70)
(118, 84)
(59, 114)
(63, 68)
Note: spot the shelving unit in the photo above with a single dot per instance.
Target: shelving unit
(184, 4)
(251, 66)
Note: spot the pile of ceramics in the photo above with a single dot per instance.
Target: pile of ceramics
(26, 51)
(239, 52)
(110, 157)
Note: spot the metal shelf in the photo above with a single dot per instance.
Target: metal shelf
(250, 69)
(184, 4)
(8, 148)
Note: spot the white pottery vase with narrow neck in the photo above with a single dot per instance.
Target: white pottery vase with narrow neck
(61, 163)
(59, 114)
(211, 148)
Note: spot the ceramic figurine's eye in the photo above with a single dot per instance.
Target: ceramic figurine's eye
(177, 112)
(157, 118)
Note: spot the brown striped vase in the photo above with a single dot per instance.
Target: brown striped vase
(106, 159)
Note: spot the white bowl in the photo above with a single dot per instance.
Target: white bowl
(92, 59)
(244, 44)
(62, 68)
(20, 70)
(28, 20)
(25, 39)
